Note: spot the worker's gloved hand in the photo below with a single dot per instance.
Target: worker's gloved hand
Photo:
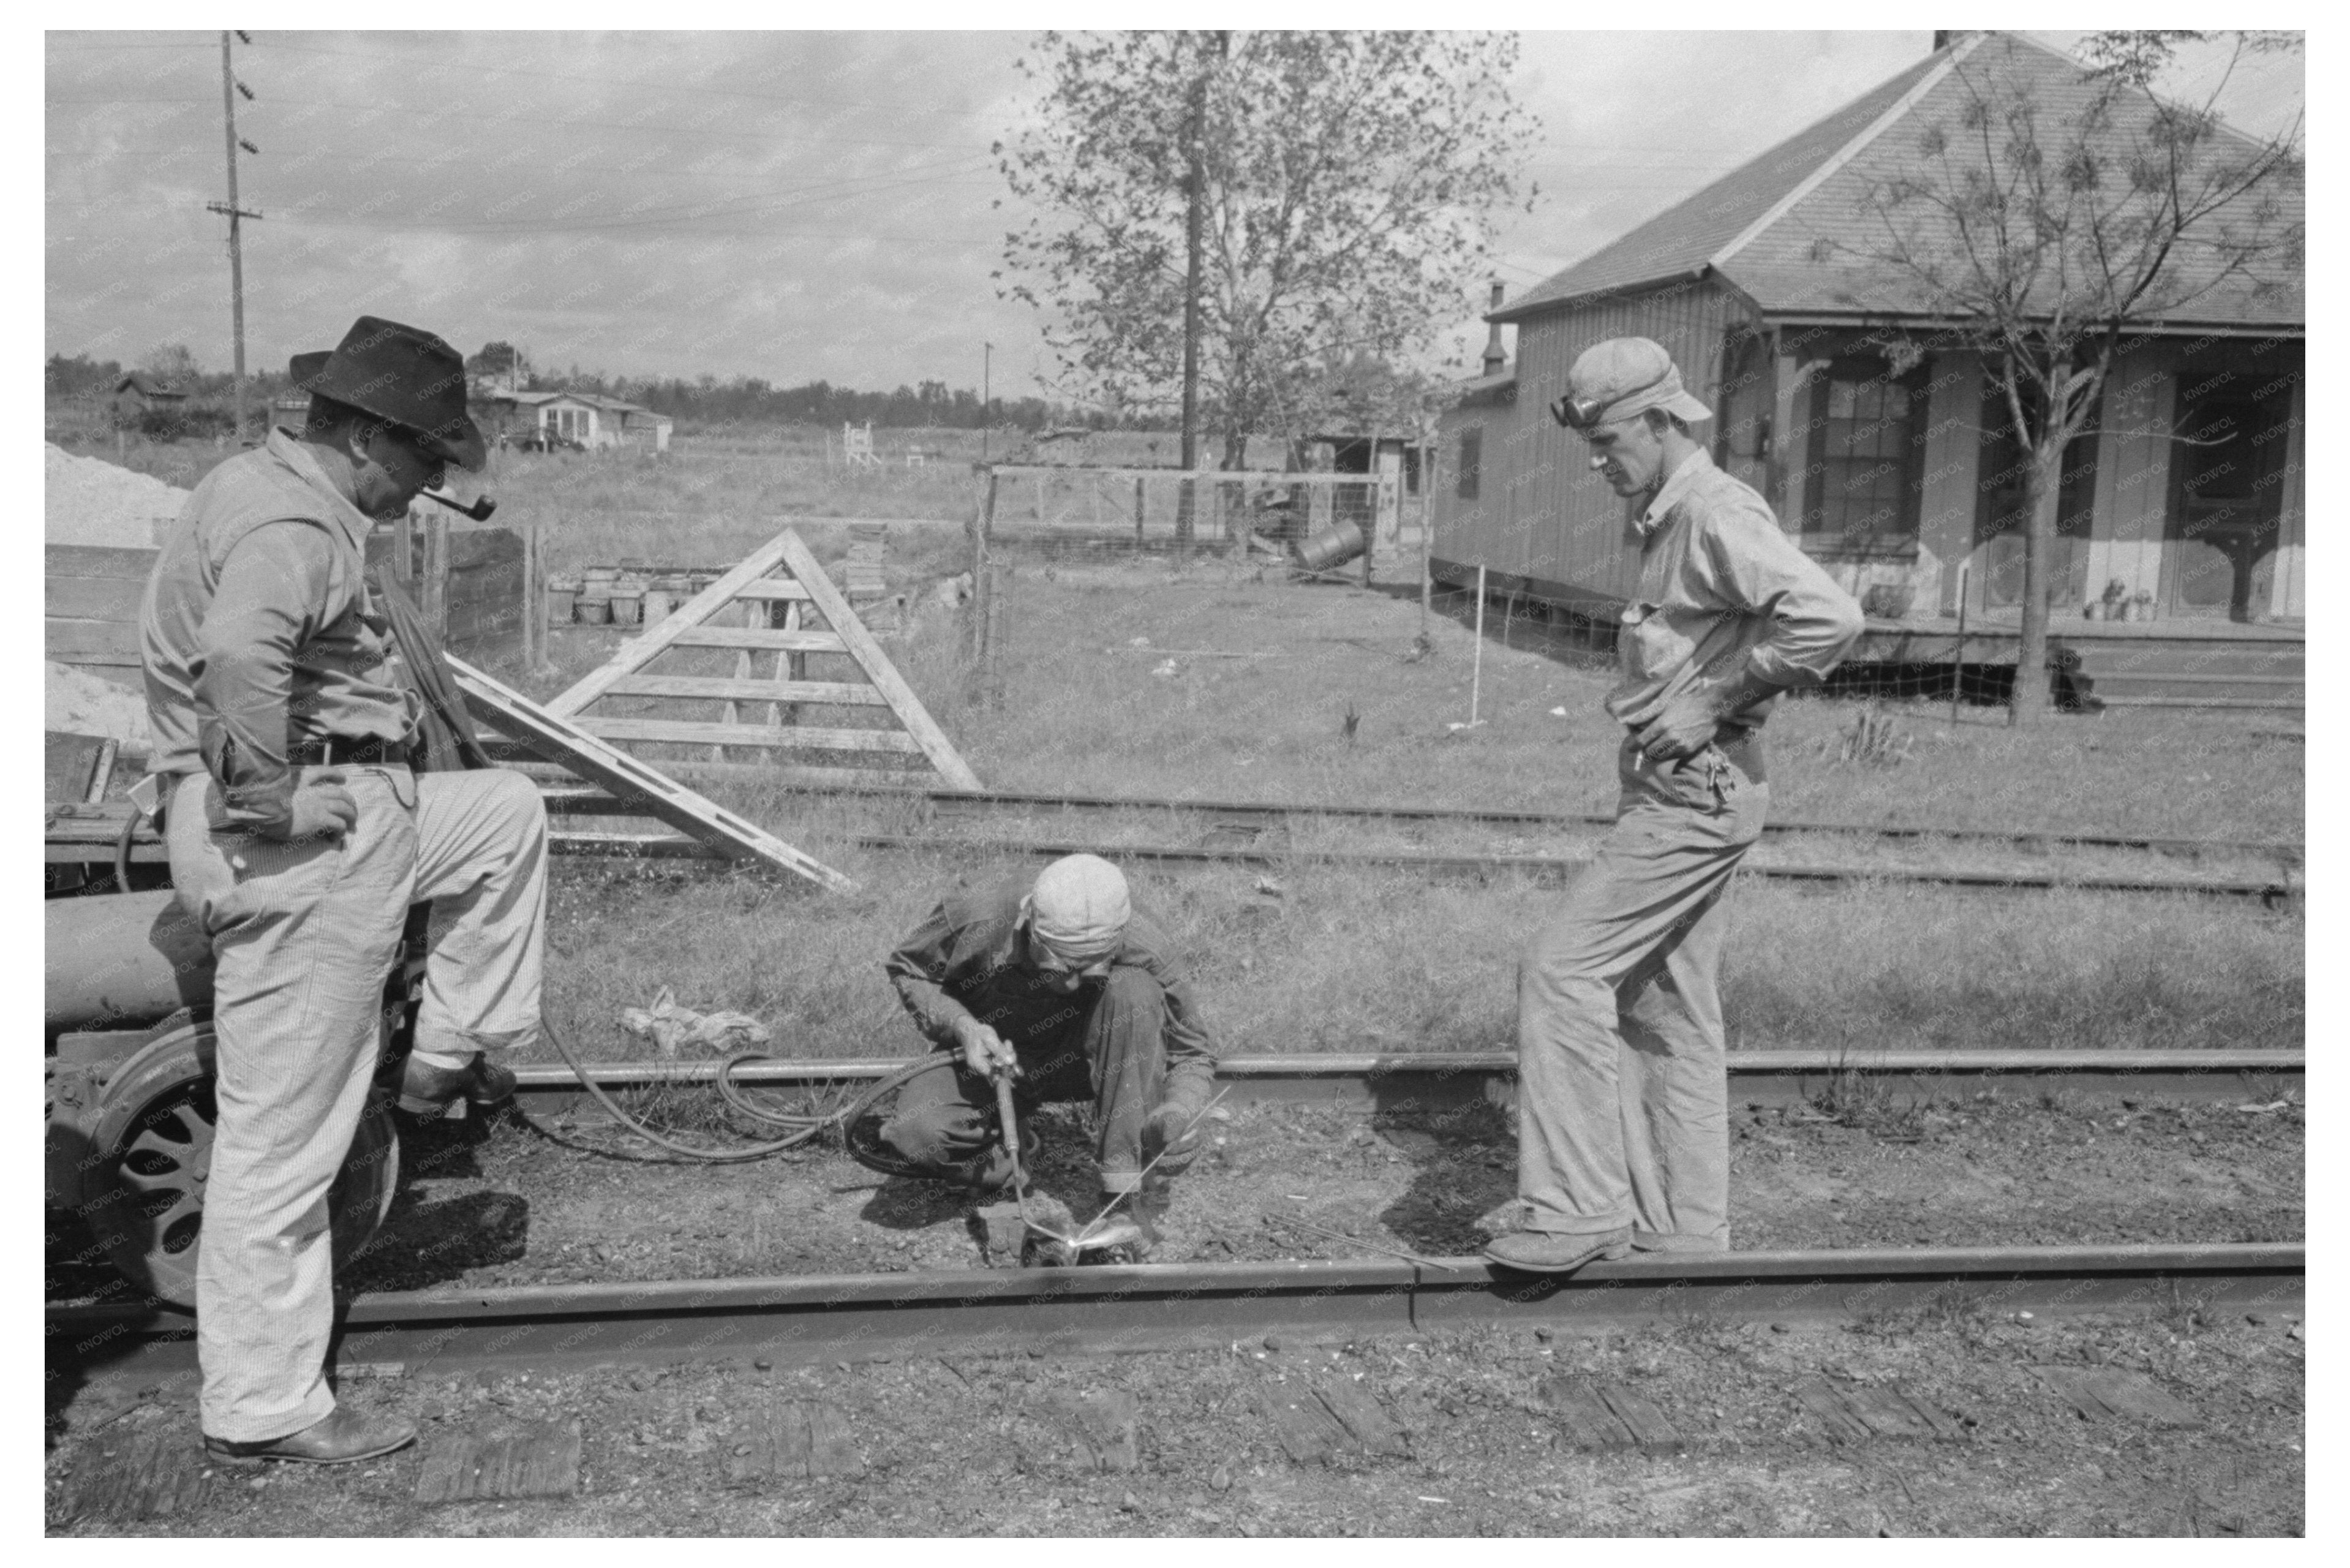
(1684, 726)
(322, 808)
(983, 1050)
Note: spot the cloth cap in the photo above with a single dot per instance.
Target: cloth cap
(1622, 377)
(1079, 907)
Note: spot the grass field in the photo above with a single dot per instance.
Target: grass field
(1359, 958)
(1362, 959)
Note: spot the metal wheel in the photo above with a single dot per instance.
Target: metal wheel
(153, 1153)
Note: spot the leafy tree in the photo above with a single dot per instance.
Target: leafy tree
(2047, 235)
(173, 365)
(497, 357)
(1349, 182)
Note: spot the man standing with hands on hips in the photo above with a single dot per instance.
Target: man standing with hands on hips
(1623, 1113)
(299, 835)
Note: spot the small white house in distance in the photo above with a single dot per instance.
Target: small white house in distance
(592, 419)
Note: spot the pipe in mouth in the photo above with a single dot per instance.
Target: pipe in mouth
(479, 511)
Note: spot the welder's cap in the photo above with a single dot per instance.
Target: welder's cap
(1079, 909)
(1622, 377)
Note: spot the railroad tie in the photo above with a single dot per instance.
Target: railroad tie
(1317, 1420)
(541, 1459)
(2103, 1392)
(794, 1440)
(1852, 1413)
(1607, 1416)
(154, 1476)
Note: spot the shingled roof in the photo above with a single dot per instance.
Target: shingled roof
(1792, 229)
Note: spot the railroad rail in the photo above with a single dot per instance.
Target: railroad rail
(1194, 1305)
(587, 800)
(90, 837)
(1379, 1080)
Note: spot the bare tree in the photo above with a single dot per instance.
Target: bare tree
(1348, 185)
(2045, 232)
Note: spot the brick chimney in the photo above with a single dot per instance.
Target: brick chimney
(1496, 358)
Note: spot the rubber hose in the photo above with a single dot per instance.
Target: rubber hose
(122, 852)
(722, 1156)
(735, 1095)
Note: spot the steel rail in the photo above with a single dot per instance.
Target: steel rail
(1388, 1080)
(1095, 1310)
(589, 801)
(2268, 890)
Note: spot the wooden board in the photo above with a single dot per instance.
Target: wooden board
(2104, 1393)
(720, 688)
(759, 638)
(798, 737)
(98, 561)
(93, 598)
(511, 713)
(1366, 1421)
(91, 641)
(789, 1439)
(754, 581)
(1853, 1413)
(1583, 1418)
(155, 1475)
(1302, 1425)
(541, 1460)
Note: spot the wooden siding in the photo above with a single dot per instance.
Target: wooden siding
(1541, 515)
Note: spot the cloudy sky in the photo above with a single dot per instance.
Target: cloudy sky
(784, 205)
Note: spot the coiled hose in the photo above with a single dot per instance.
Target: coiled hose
(804, 1127)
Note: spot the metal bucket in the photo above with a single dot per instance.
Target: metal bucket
(1334, 546)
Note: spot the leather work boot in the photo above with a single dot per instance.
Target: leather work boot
(1172, 1139)
(1550, 1252)
(426, 1090)
(341, 1438)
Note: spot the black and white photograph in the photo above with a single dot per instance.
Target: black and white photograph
(916, 776)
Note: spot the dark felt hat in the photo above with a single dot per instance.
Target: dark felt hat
(402, 374)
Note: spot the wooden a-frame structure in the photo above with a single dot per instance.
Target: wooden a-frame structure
(794, 610)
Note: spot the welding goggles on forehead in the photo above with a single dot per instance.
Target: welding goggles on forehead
(1580, 413)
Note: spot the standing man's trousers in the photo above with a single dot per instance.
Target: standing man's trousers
(1623, 1105)
(304, 936)
(1106, 1043)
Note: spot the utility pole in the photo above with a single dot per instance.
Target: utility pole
(1194, 221)
(230, 88)
(986, 364)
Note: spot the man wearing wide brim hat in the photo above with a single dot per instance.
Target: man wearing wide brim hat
(1623, 1121)
(1064, 983)
(299, 835)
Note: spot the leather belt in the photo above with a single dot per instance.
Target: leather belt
(334, 752)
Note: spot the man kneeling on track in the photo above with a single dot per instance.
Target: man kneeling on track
(300, 832)
(1066, 985)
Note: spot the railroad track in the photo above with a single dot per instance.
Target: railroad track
(587, 800)
(816, 1320)
(1381, 1080)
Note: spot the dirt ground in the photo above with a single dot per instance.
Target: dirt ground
(990, 1446)
(507, 1204)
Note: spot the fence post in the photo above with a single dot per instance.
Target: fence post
(533, 595)
(1138, 514)
(982, 527)
(436, 576)
(993, 677)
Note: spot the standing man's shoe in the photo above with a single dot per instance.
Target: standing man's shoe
(426, 1088)
(1549, 1252)
(343, 1438)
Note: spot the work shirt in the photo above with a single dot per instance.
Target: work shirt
(257, 631)
(966, 959)
(1722, 590)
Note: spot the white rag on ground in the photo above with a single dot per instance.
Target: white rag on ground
(670, 1027)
